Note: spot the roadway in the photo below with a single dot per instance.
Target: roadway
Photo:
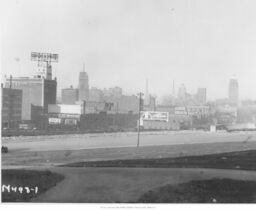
(119, 140)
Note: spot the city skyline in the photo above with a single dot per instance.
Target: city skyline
(128, 42)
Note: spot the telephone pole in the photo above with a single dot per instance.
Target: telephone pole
(140, 104)
(10, 108)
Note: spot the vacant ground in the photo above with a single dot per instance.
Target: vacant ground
(27, 181)
(244, 160)
(106, 185)
(203, 191)
(125, 185)
(139, 184)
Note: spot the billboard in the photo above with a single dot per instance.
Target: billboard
(36, 56)
(71, 116)
(25, 126)
(155, 116)
(180, 110)
(70, 122)
(54, 121)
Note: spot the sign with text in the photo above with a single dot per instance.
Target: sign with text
(36, 56)
(155, 116)
(75, 116)
(54, 121)
(70, 122)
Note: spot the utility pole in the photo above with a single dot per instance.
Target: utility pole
(116, 115)
(10, 103)
(173, 93)
(84, 107)
(138, 139)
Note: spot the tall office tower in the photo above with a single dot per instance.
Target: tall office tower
(233, 91)
(37, 93)
(182, 92)
(152, 103)
(201, 96)
(83, 86)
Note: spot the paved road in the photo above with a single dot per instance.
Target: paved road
(93, 141)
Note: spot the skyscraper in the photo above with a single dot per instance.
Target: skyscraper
(233, 91)
(36, 92)
(201, 96)
(83, 86)
(182, 92)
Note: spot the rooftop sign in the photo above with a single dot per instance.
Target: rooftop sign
(45, 57)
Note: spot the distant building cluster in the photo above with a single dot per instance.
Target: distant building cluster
(32, 100)
(184, 98)
(95, 100)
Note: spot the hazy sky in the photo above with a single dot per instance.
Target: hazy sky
(201, 43)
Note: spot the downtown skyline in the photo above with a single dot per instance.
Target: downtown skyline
(129, 42)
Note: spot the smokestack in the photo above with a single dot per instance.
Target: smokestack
(173, 93)
(173, 89)
(146, 93)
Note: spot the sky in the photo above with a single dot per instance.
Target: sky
(199, 43)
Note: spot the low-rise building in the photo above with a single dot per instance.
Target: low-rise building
(64, 114)
(198, 110)
(69, 95)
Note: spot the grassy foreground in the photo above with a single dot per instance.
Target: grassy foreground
(204, 191)
(243, 160)
(27, 181)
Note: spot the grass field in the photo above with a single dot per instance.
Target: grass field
(144, 180)
(203, 191)
(244, 160)
(31, 179)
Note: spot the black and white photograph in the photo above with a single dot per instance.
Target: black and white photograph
(128, 102)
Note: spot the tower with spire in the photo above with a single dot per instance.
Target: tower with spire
(83, 86)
